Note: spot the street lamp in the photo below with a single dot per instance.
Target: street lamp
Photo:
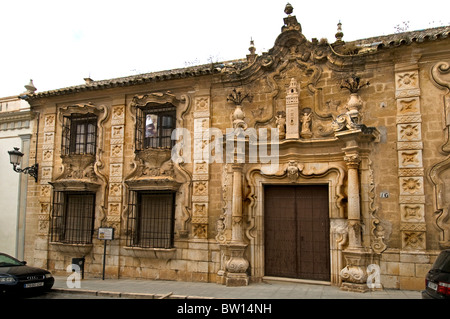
(15, 157)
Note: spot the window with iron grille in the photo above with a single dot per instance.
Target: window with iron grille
(151, 219)
(154, 126)
(72, 220)
(79, 134)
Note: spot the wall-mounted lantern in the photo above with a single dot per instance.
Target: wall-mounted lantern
(15, 157)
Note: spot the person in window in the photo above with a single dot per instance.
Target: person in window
(150, 125)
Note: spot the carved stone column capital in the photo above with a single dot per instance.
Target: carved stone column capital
(237, 167)
(352, 160)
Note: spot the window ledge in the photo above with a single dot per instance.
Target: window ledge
(156, 253)
(82, 249)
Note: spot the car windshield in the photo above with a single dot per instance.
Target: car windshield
(6, 261)
(442, 262)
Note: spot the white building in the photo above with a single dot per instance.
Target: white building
(16, 129)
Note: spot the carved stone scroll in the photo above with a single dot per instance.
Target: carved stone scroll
(439, 175)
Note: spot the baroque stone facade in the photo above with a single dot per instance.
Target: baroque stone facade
(199, 147)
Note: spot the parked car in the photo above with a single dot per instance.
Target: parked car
(437, 282)
(17, 277)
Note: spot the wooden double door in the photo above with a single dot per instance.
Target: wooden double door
(296, 232)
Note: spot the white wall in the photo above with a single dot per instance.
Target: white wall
(9, 197)
(16, 129)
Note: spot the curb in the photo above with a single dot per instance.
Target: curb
(126, 295)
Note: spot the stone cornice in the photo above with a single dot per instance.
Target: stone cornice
(6, 117)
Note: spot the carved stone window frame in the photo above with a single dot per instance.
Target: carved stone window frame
(80, 172)
(101, 111)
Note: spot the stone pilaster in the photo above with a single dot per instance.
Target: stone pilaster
(116, 162)
(45, 189)
(200, 177)
(410, 166)
(46, 172)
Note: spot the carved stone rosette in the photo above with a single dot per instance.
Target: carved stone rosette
(200, 177)
(46, 174)
(410, 166)
(116, 164)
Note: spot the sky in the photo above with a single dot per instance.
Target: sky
(58, 43)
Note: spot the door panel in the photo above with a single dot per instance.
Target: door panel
(282, 262)
(296, 225)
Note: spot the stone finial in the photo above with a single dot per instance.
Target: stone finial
(88, 80)
(252, 56)
(252, 48)
(288, 9)
(30, 87)
(339, 35)
(290, 22)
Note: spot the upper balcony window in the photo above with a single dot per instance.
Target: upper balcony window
(154, 126)
(79, 134)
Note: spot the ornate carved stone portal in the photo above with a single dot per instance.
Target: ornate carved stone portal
(318, 143)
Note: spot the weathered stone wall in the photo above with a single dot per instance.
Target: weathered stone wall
(396, 191)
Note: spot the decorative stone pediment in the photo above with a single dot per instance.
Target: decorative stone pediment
(83, 108)
(157, 98)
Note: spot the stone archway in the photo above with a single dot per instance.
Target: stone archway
(291, 173)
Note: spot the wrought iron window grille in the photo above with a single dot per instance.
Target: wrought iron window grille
(150, 220)
(154, 126)
(72, 219)
(79, 134)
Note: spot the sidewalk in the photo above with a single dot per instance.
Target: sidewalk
(162, 289)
